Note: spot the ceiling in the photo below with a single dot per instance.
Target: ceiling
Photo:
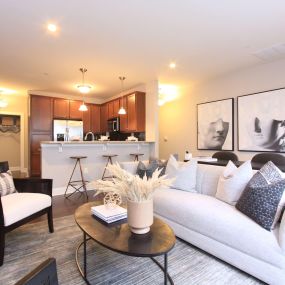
(134, 38)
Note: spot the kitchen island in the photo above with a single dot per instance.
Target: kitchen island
(57, 164)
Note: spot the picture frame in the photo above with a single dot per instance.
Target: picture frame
(215, 125)
(261, 121)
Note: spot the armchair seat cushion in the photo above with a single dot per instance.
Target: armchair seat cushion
(18, 206)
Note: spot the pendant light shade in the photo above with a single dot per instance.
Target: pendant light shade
(83, 107)
(83, 89)
(122, 110)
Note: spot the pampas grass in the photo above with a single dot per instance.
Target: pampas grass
(131, 186)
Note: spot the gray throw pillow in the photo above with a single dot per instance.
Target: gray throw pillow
(261, 198)
(146, 170)
(6, 183)
(161, 164)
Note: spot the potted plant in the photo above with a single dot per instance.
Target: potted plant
(138, 193)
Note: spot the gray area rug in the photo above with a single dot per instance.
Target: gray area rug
(31, 244)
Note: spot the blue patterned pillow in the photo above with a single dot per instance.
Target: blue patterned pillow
(143, 170)
(261, 198)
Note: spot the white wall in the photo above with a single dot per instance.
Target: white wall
(178, 119)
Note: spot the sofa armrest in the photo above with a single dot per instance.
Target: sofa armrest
(34, 185)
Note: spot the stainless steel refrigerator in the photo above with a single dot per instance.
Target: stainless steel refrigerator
(67, 130)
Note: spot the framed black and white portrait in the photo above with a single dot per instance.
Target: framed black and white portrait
(215, 125)
(261, 121)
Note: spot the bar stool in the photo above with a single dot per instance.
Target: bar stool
(136, 155)
(109, 160)
(74, 183)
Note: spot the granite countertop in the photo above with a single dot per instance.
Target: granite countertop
(95, 142)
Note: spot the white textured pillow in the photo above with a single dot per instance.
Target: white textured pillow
(232, 182)
(185, 174)
(6, 183)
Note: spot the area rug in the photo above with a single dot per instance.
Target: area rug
(31, 244)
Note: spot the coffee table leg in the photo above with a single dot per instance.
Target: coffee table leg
(165, 269)
(84, 255)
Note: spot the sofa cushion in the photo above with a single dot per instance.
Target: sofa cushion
(233, 181)
(219, 221)
(18, 206)
(262, 200)
(185, 174)
(6, 183)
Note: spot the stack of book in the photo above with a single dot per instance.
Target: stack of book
(109, 214)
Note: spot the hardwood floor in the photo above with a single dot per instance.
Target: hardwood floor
(66, 206)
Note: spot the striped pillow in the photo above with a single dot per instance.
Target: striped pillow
(6, 183)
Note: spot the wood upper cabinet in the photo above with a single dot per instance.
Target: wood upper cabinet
(74, 113)
(136, 112)
(61, 108)
(67, 109)
(96, 118)
(110, 109)
(41, 113)
(116, 108)
(104, 117)
(123, 118)
(86, 117)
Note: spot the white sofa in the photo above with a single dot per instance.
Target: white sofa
(220, 229)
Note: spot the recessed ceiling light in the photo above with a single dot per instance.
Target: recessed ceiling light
(172, 65)
(52, 27)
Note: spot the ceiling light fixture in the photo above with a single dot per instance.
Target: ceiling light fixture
(172, 65)
(3, 102)
(52, 27)
(122, 110)
(83, 89)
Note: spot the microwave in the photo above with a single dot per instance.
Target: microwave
(114, 125)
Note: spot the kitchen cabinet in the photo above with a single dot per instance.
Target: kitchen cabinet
(74, 113)
(41, 115)
(104, 118)
(66, 109)
(61, 108)
(136, 112)
(116, 108)
(96, 118)
(86, 117)
(123, 118)
(110, 109)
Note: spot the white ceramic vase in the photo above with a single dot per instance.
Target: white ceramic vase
(140, 216)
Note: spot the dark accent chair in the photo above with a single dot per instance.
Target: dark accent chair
(276, 158)
(24, 185)
(225, 155)
(44, 274)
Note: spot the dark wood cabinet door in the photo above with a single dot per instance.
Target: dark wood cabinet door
(96, 118)
(104, 118)
(35, 164)
(41, 113)
(74, 113)
(61, 109)
(87, 123)
(124, 118)
(110, 109)
(131, 107)
(140, 112)
(116, 104)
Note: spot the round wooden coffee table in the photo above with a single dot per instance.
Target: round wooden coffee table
(118, 237)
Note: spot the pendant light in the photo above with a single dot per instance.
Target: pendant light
(83, 88)
(122, 110)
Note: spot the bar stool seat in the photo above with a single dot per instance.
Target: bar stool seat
(109, 160)
(77, 184)
(136, 155)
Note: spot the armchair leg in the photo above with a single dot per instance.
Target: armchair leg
(50, 220)
(2, 246)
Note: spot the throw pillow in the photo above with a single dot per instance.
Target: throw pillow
(6, 183)
(263, 198)
(161, 164)
(143, 170)
(185, 174)
(233, 181)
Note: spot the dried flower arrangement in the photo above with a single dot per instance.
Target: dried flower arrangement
(131, 186)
